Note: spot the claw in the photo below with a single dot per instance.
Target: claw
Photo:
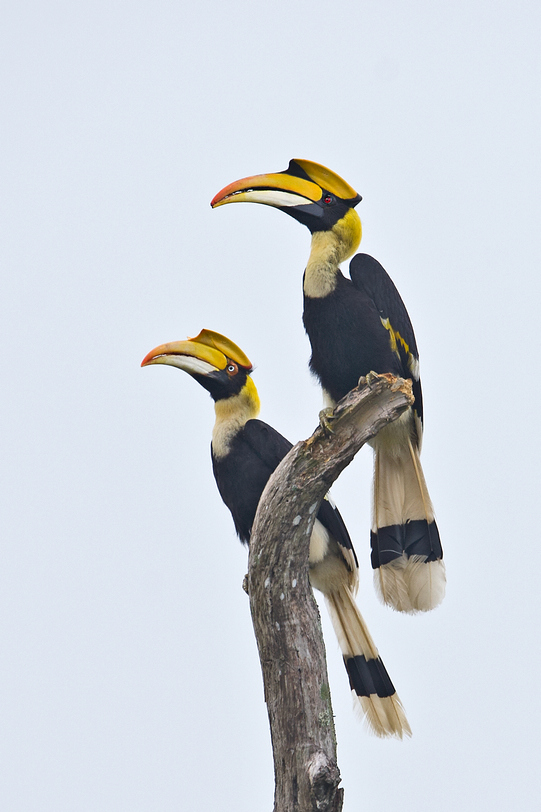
(326, 416)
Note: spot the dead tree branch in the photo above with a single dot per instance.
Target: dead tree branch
(284, 612)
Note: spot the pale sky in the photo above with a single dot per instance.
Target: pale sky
(129, 677)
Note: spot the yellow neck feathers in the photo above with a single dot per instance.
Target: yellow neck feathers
(231, 415)
(328, 250)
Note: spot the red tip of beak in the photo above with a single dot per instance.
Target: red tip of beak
(148, 357)
(223, 193)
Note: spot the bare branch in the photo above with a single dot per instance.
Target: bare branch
(284, 612)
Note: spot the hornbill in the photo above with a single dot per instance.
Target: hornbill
(357, 325)
(245, 452)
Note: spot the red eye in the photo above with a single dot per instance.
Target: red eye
(328, 199)
(232, 369)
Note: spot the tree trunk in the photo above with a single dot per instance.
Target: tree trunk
(284, 612)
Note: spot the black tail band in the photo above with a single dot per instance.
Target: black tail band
(417, 537)
(368, 677)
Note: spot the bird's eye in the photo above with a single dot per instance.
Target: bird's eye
(329, 199)
(232, 369)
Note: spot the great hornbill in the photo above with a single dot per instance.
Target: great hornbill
(245, 452)
(357, 325)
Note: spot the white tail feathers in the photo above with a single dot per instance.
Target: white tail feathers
(400, 492)
(384, 716)
(411, 584)
(374, 693)
(406, 550)
(391, 586)
(426, 583)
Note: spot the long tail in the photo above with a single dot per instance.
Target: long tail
(406, 548)
(370, 683)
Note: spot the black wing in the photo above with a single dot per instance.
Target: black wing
(241, 475)
(369, 276)
(331, 519)
(272, 447)
(266, 443)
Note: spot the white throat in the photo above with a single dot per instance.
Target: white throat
(328, 250)
(323, 263)
(231, 415)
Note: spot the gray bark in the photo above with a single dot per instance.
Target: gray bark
(284, 612)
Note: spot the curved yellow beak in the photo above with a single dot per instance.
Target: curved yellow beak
(209, 347)
(283, 189)
(278, 189)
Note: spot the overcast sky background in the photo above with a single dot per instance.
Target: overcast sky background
(129, 678)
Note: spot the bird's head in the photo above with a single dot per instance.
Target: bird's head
(307, 191)
(214, 361)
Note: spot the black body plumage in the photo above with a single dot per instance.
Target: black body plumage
(254, 453)
(346, 331)
(363, 326)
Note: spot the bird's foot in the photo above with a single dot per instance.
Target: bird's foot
(366, 380)
(326, 416)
